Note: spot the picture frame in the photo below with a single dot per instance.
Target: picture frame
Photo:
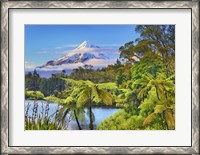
(7, 6)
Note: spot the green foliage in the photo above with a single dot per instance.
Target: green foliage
(87, 91)
(160, 92)
(41, 124)
(121, 120)
(32, 81)
(55, 99)
(34, 95)
(98, 76)
(170, 119)
(52, 85)
(128, 53)
(141, 82)
(42, 120)
(150, 93)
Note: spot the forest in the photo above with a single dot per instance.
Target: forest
(141, 84)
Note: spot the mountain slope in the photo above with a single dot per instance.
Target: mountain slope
(83, 54)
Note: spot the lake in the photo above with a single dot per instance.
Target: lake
(99, 113)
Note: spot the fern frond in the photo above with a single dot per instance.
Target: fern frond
(129, 93)
(109, 86)
(149, 119)
(74, 82)
(69, 100)
(96, 99)
(159, 109)
(171, 77)
(146, 105)
(89, 83)
(106, 97)
(143, 92)
(55, 99)
(94, 92)
(75, 91)
(118, 100)
(140, 82)
(170, 119)
(121, 96)
(84, 96)
(149, 76)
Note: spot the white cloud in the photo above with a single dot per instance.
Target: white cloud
(96, 63)
(101, 62)
(67, 45)
(61, 67)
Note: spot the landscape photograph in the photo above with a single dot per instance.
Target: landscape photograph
(99, 77)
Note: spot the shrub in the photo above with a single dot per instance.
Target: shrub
(43, 121)
(34, 95)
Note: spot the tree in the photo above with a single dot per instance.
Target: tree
(128, 53)
(159, 39)
(68, 105)
(52, 84)
(32, 81)
(164, 103)
(85, 93)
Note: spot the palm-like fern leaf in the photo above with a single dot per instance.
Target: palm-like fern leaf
(149, 119)
(83, 97)
(74, 82)
(109, 86)
(170, 119)
(106, 97)
(69, 100)
(159, 109)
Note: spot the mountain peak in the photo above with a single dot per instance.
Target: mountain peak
(85, 44)
(82, 45)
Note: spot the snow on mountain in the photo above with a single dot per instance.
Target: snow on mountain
(83, 54)
(83, 45)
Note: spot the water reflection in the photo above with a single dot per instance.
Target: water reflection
(99, 113)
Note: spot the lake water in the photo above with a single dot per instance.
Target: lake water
(99, 113)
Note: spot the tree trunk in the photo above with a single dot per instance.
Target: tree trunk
(157, 93)
(77, 120)
(91, 118)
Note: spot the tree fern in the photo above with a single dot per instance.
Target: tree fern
(88, 92)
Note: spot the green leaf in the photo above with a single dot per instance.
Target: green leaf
(69, 100)
(83, 97)
(159, 108)
(149, 119)
(106, 97)
(109, 86)
(170, 119)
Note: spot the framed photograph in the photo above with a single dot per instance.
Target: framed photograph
(99, 77)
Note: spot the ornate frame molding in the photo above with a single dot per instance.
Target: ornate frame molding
(6, 5)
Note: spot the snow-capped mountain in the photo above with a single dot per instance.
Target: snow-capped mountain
(83, 54)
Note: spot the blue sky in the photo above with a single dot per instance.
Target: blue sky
(47, 42)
